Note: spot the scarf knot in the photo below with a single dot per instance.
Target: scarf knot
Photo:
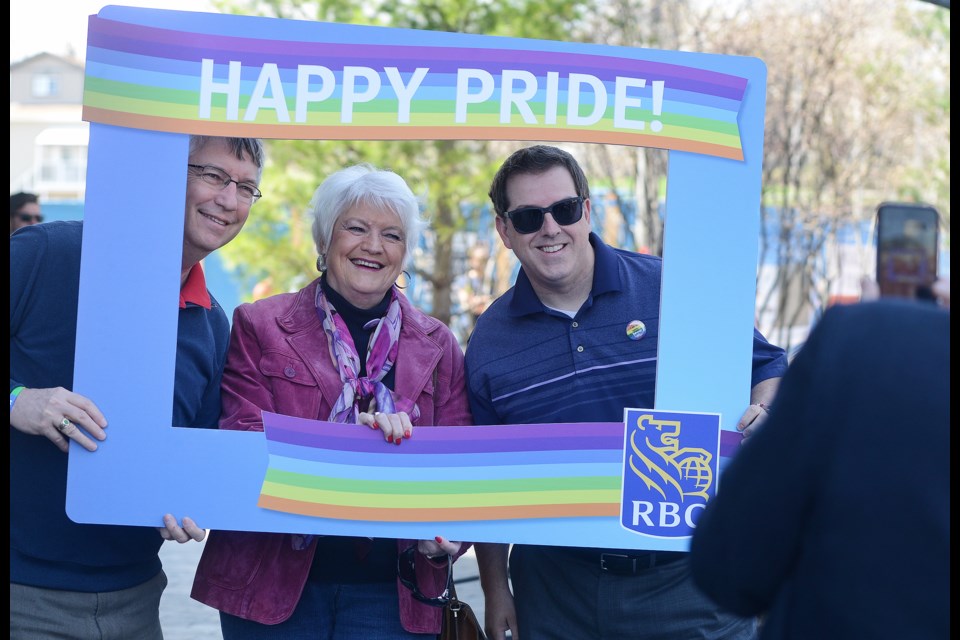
(364, 393)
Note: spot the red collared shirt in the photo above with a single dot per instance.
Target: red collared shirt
(194, 290)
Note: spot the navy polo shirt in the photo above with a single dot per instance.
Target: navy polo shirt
(529, 364)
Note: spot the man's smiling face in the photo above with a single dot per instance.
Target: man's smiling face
(213, 216)
(556, 258)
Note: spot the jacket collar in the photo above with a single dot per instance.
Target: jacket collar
(417, 358)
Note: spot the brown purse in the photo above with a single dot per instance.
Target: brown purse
(458, 621)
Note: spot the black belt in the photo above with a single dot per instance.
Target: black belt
(622, 564)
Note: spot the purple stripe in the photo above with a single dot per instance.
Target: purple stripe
(504, 431)
(374, 443)
(390, 458)
(481, 439)
(165, 43)
(729, 443)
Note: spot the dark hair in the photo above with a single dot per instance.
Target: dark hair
(252, 147)
(17, 200)
(536, 160)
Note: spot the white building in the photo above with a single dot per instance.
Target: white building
(48, 139)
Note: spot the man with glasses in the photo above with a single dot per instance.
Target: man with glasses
(105, 581)
(24, 210)
(582, 320)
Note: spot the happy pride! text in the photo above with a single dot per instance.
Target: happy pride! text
(586, 97)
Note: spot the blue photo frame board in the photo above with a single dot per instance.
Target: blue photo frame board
(154, 77)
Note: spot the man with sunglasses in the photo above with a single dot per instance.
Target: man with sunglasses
(24, 210)
(582, 321)
(71, 580)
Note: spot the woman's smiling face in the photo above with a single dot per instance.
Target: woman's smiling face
(366, 254)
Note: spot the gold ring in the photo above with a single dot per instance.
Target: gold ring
(63, 424)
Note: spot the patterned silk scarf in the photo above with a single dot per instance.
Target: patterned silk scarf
(366, 393)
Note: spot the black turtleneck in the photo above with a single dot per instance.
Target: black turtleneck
(355, 319)
(354, 559)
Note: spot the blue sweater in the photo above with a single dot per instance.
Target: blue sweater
(47, 549)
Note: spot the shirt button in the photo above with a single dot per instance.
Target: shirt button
(576, 324)
(290, 372)
(580, 349)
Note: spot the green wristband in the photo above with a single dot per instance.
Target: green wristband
(13, 396)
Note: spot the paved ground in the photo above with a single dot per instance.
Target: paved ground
(186, 619)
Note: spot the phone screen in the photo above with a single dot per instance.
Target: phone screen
(907, 250)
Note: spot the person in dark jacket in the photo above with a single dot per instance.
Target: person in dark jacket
(833, 520)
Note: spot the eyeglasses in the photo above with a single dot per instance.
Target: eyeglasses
(530, 219)
(246, 191)
(30, 219)
(407, 572)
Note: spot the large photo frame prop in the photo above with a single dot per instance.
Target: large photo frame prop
(154, 76)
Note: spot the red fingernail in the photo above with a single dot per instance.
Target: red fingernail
(398, 441)
(406, 434)
(439, 540)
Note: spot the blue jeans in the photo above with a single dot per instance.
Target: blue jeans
(329, 611)
(559, 596)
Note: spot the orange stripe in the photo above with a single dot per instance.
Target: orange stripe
(519, 512)
(311, 132)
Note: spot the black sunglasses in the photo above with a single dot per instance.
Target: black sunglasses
(407, 572)
(530, 219)
(26, 217)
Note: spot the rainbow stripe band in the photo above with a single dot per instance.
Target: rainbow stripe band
(182, 81)
(447, 474)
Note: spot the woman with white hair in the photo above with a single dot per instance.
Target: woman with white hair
(330, 352)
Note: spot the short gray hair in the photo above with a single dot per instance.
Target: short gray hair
(364, 183)
(252, 147)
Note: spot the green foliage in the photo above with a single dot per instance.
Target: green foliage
(448, 174)
(858, 108)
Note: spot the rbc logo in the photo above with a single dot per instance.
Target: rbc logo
(670, 463)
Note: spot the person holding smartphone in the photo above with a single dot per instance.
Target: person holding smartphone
(870, 290)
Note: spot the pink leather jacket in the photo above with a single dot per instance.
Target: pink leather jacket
(278, 361)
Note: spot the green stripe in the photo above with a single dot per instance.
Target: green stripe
(117, 90)
(391, 500)
(453, 487)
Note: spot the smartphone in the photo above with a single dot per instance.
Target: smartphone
(907, 237)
